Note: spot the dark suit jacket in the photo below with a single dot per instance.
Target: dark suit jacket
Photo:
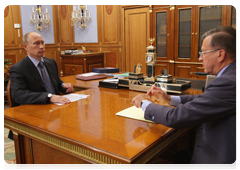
(27, 86)
(214, 112)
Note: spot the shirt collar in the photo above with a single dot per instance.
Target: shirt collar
(35, 61)
(221, 71)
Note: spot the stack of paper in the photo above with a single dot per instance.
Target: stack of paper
(73, 97)
(134, 113)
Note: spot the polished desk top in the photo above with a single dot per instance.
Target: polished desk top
(91, 123)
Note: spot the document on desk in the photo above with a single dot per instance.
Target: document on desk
(73, 97)
(134, 113)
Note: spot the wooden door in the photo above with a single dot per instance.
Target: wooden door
(137, 33)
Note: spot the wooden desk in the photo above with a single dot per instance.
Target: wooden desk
(86, 131)
(81, 63)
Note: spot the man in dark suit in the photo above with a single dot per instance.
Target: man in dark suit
(214, 111)
(32, 83)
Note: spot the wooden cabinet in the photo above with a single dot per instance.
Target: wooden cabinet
(12, 35)
(191, 22)
(184, 33)
(82, 63)
(178, 30)
(233, 17)
(208, 17)
(163, 31)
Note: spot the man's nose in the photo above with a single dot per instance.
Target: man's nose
(42, 46)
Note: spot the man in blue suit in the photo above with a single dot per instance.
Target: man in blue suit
(214, 111)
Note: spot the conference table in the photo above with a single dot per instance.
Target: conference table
(88, 130)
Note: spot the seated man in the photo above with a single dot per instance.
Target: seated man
(214, 111)
(34, 80)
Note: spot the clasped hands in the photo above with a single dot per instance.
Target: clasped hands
(154, 92)
(61, 99)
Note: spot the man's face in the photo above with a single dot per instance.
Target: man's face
(208, 59)
(35, 47)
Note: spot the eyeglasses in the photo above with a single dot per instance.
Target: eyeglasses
(201, 53)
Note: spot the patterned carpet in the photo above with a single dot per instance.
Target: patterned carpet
(9, 150)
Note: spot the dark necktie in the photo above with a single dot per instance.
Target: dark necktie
(46, 79)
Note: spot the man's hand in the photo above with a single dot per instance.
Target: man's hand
(59, 99)
(159, 94)
(69, 87)
(137, 100)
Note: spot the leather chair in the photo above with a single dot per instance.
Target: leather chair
(11, 104)
(9, 95)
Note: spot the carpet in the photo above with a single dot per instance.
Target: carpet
(9, 149)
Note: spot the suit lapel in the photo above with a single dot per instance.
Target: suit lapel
(34, 72)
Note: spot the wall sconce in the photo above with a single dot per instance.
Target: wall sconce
(80, 16)
(40, 20)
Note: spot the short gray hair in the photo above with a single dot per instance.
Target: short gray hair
(25, 38)
(223, 37)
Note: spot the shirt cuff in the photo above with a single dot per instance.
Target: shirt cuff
(145, 105)
(175, 100)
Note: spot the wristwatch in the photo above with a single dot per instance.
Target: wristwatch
(142, 102)
(49, 97)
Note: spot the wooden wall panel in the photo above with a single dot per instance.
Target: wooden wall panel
(53, 53)
(112, 57)
(11, 35)
(12, 54)
(65, 29)
(24, 53)
(55, 22)
(187, 70)
(110, 24)
(159, 67)
(199, 68)
(109, 33)
(183, 71)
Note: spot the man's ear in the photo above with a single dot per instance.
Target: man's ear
(25, 46)
(221, 55)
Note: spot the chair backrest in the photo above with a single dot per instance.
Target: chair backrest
(208, 79)
(9, 95)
